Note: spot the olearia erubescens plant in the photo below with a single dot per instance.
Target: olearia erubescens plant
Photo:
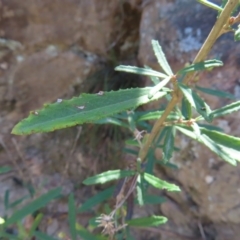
(185, 112)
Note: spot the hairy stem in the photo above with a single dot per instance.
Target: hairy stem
(202, 54)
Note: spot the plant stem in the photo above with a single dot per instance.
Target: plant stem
(202, 54)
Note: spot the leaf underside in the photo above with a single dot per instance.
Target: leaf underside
(86, 108)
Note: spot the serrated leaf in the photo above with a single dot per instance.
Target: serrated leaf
(168, 145)
(154, 115)
(83, 109)
(201, 66)
(223, 152)
(97, 199)
(108, 176)
(33, 206)
(43, 236)
(161, 58)
(223, 139)
(141, 71)
(186, 109)
(217, 93)
(72, 217)
(210, 127)
(147, 221)
(228, 109)
(158, 183)
(158, 87)
(196, 102)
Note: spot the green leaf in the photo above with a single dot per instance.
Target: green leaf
(158, 183)
(201, 66)
(35, 224)
(108, 176)
(140, 190)
(211, 5)
(227, 154)
(141, 71)
(158, 87)
(147, 221)
(43, 236)
(85, 235)
(186, 109)
(83, 109)
(111, 120)
(228, 109)
(223, 139)
(33, 206)
(168, 145)
(161, 58)
(98, 198)
(196, 102)
(152, 199)
(217, 93)
(154, 115)
(72, 217)
(5, 169)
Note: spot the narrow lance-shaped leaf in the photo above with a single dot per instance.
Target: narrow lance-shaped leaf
(201, 66)
(140, 191)
(154, 79)
(141, 71)
(158, 183)
(96, 199)
(168, 145)
(158, 87)
(83, 109)
(216, 93)
(161, 58)
(196, 102)
(186, 109)
(33, 206)
(147, 221)
(228, 109)
(220, 150)
(108, 176)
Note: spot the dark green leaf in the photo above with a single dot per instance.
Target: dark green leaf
(226, 110)
(158, 183)
(168, 145)
(85, 235)
(201, 66)
(98, 198)
(140, 71)
(5, 169)
(43, 236)
(83, 109)
(158, 87)
(108, 176)
(72, 217)
(186, 109)
(152, 199)
(147, 221)
(6, 199)
(161, 58)
(210, 127)
(217, 93)
(196, 102)
(33, 206)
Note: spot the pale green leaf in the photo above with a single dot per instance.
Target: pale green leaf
(140, 190)
(141, 71)
(108, 176)
(168, 145)
(158, 183)
(228, 109)
(161, 58)
(147, 221)
(83, 109)
(158, 87)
